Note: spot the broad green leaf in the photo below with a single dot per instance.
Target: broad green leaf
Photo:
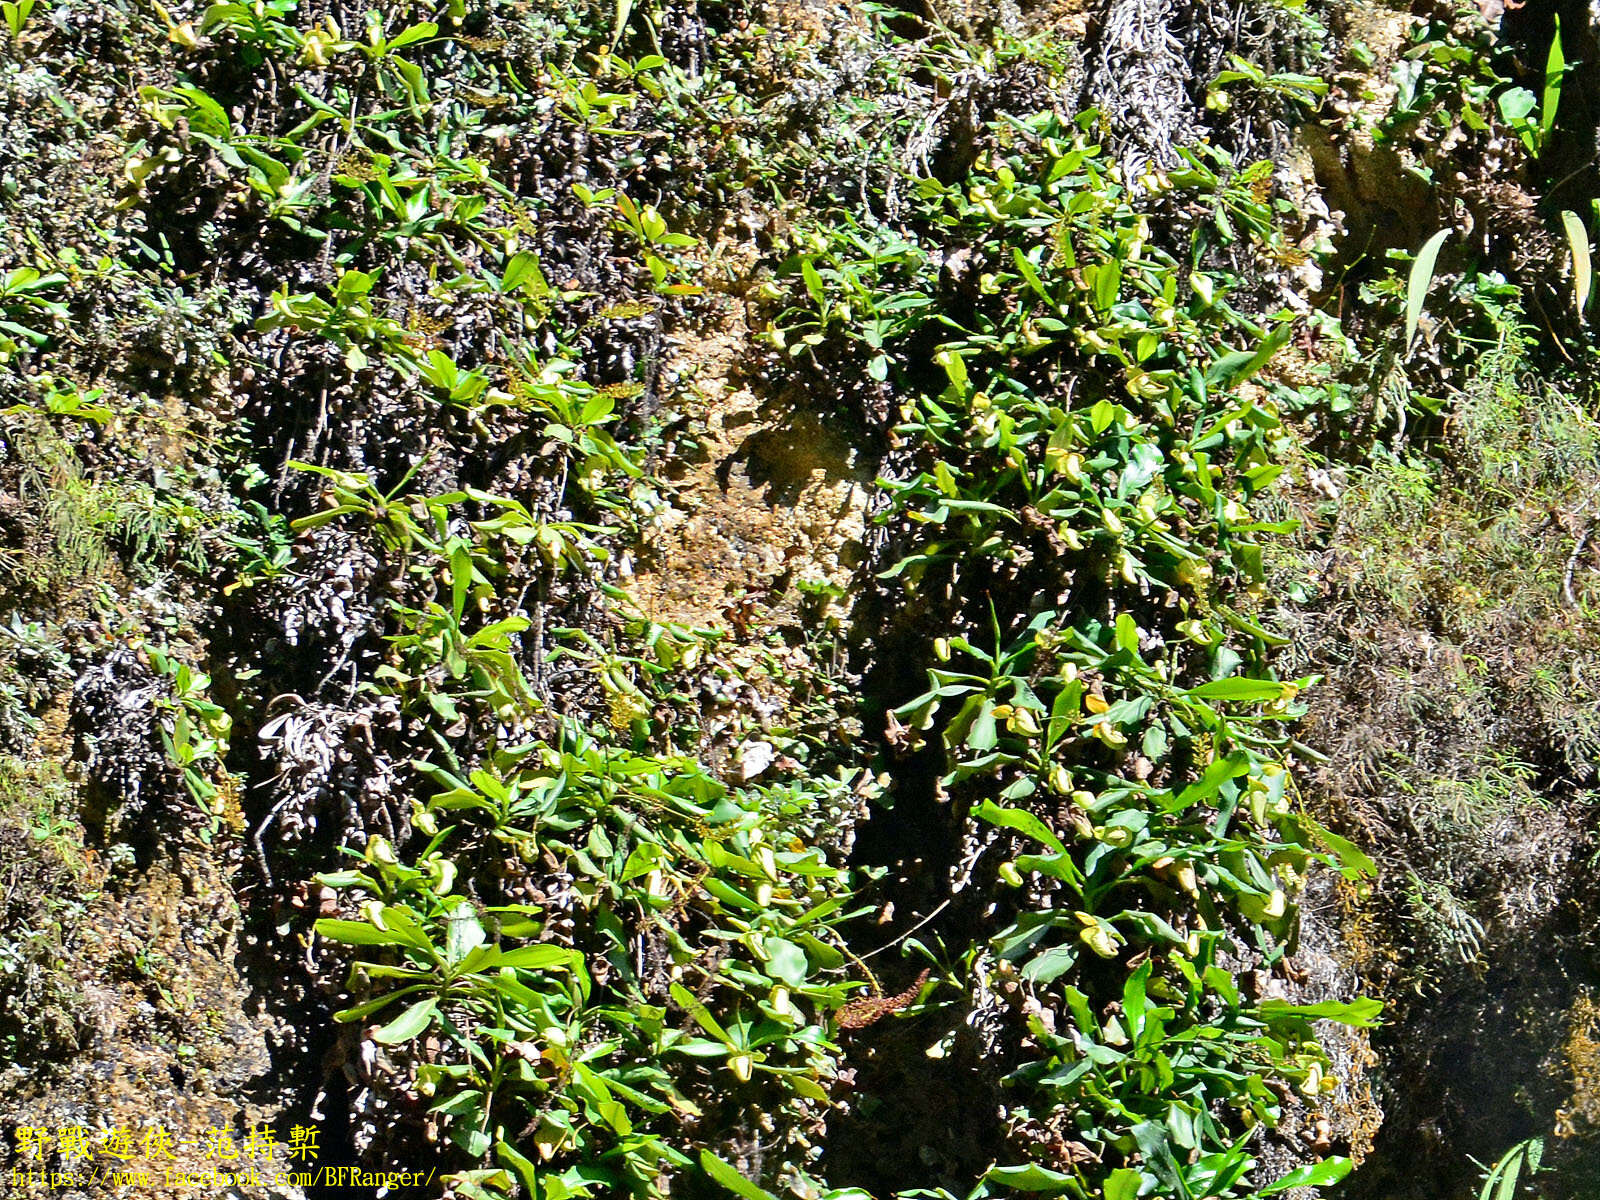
(1051, 965)
(1353, 863)
(1030, 1177)
(729, 1178)
(1555, 72)
(1362, 1012)
(526, 1171)
(1243, 691)
(691, 1004)
(1329, 1170)
(1420, 281)
(463, 934)
(1157, 1150)
(1234, 368)
(786, 961)
(1107, 282)
(1582, 271)
(365, 1009)
(813, 281)
(359, 933)
(1210, 782)
(535, 958)
(1021, 821)
(983, 734)
(1028, 272)
(408, 1024)
(1517, 103)
(1123, 1184)
(415, 33)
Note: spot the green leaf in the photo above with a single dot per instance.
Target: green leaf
(1028, 272)
(1123, 1184)
(786, 961)
(1555, 72)
(691, 1004)
(1361, 1012)
(526, 1171)
(408, 1024)
(1582, 271)
(1210, 783)
(1516, 104)
(1329, 1170)
(365, 1009)
(415, 33)
(1051, 965)
(463, 933)
(1107, 282)
(1420, 281)
(1157, 1151)
(535, 958)
(983, 735)
(1234, 368)
(1022, 822)
(813, 281)
(1353, 863)
(1030, 1177)
(1243, 691)
(359, 933)
(1134, 1000)
(1101, 414)
(736, 1183)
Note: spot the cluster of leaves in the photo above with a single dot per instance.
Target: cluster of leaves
(686, 947)
(589, 955)
(1477, 145)
(1085, 463)
(570, 1066)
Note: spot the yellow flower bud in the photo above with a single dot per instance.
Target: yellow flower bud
(378, 851)
(1115, 836)
(1110, 736)
(1312, 1086)
(1098, 940)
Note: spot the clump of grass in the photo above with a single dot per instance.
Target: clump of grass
(41, 914)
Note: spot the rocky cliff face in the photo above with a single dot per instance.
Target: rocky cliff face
(496, 482)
